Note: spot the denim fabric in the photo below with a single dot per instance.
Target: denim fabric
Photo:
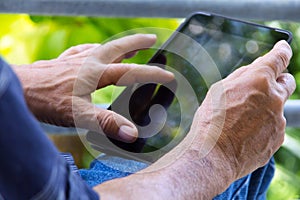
(106, 168)
(31, 167)
(75, 188)
(252, 187)
(71, 162)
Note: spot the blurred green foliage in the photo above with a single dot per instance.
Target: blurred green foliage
(25, 39)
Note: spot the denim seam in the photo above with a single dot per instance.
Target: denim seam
(237, 192)
(261, 194)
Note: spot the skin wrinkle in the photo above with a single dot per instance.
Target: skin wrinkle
(86, 72)
(257, 99)
(230, 149)
(282, 90)
(108, 123)
(111, 73)
(208, 175)
(197, 168)
(241, 152)
(283, 60)
(115, 52)
(64, 110)
(176, 179)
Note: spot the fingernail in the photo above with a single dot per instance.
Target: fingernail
(151, 35)
(284, 46)
(127, 133)
(170, 74)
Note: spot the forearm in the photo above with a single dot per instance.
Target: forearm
(199, 178)
(174, 176)
(186, 183)
(136, 186)
(192, 176)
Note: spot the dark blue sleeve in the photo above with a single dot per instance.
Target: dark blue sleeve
(30, 164)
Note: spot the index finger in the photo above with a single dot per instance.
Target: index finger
(115, 49)
(277, 59)
(124, 74)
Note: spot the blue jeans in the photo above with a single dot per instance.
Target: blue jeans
(253, 186)
(31, 167)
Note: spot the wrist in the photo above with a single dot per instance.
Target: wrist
(22, 73)
(200, 178)
(197, 166)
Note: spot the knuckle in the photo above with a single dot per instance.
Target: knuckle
(278, 59)
(107, 122)
(116, 73)
(65, 111)
(262, 81)
(278, 97)
(216, 86)
(263, 78)
(258, 59)
(115, 47)
(281, 58)
(112, 51)
(278, 100)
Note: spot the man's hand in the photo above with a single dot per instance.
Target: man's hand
(243, 114)
(239, 125)
(58, 91)
(237, 129)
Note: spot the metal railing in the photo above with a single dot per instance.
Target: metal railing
(292, 113)
(246, 9)
(266, 10)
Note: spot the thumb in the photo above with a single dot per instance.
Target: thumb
(89, 116)
(116, 126)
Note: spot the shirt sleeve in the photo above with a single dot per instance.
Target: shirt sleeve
(31, 167)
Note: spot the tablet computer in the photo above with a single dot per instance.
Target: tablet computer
(203, 50)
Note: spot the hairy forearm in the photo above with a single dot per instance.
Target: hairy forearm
(185, 180)
(174, 176)
(199, 178)
(137, 186)
(191, 176)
